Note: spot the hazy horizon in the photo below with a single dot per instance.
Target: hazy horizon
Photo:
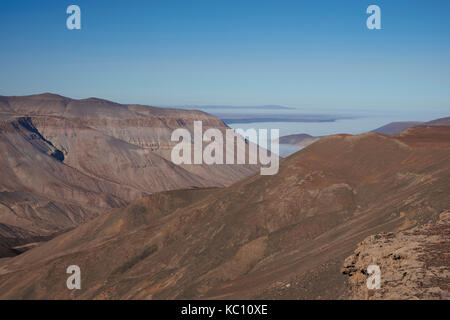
(318, 56)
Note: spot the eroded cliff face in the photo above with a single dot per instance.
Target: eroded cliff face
(414, 264)
(144, 126)
(65, 161)
(150, 128)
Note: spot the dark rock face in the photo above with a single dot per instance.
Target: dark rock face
(58, 155)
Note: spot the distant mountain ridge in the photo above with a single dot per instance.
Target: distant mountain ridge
(263, 107)
(301, 140)
(393, 128)
(390, 129)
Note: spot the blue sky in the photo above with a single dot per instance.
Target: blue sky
(317, 55)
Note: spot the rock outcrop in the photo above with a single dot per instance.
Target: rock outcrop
(414, 264)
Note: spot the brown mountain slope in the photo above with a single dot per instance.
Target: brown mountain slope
(281, 236)
(65, 161)
(426, 136)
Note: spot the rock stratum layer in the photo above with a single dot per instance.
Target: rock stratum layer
(66, 161)
(284, 236)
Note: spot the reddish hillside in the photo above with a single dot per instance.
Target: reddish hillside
(281, 236)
